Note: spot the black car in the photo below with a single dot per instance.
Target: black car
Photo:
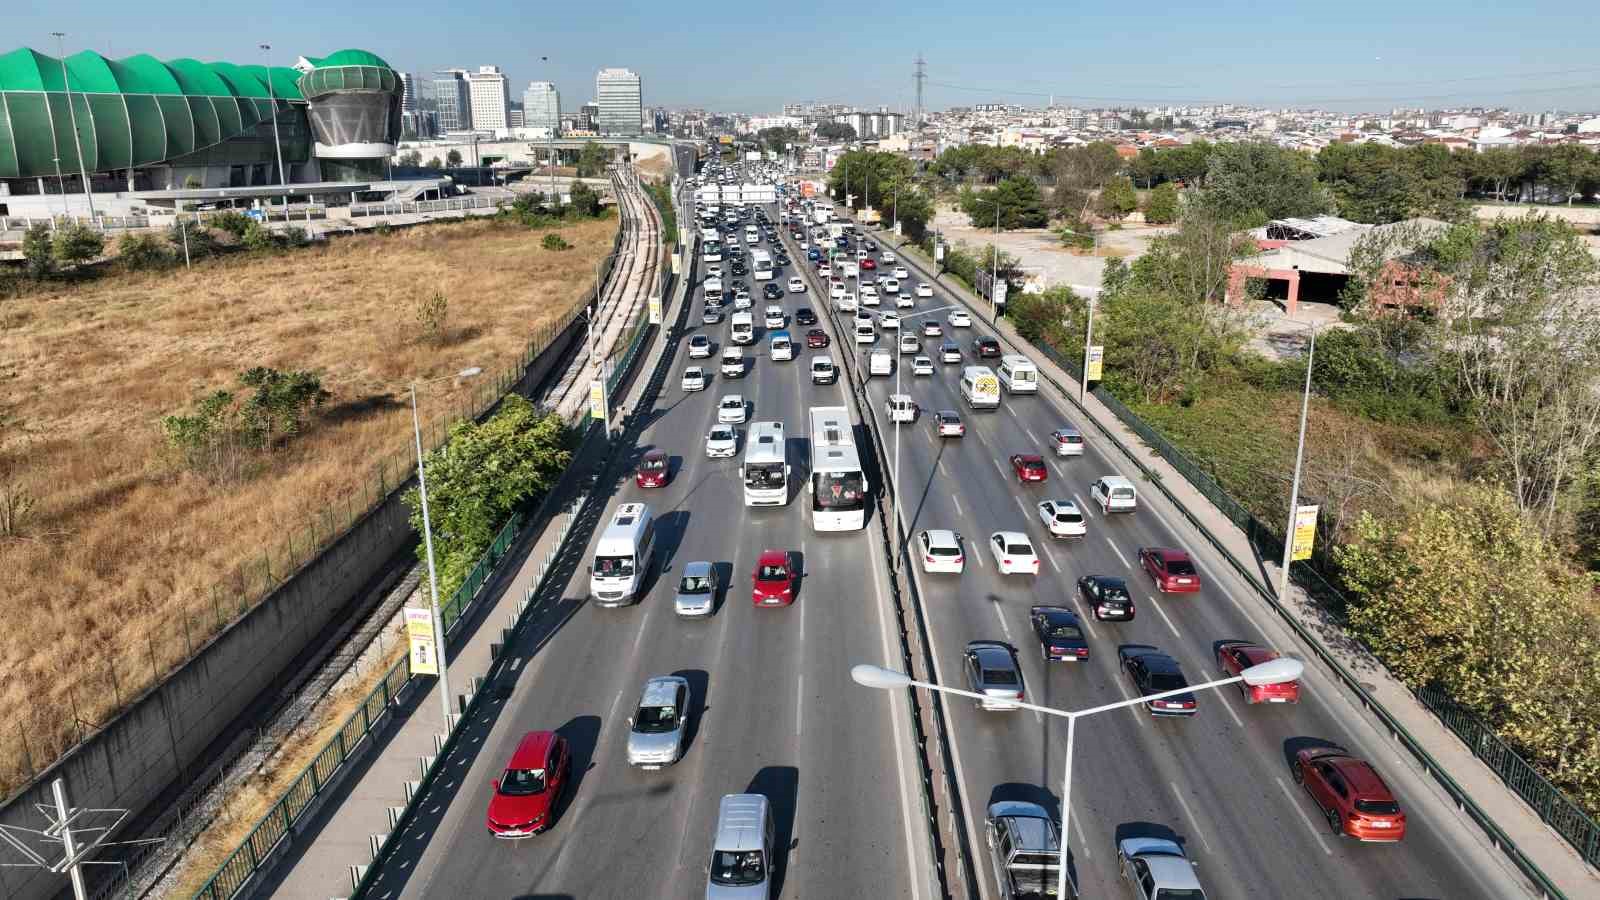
(1107, 597)
(772, 292)
(1154, 672)
(985, 347)
(1060, 634)
(739, 268)
(804, 316)
(871, 246)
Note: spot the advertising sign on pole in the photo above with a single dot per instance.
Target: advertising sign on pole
(896, 229)
(1305, 532)
(1096, 355)
(655, 310)
(1000, 292)
(597, 399)
(419, 628)
(938, 251)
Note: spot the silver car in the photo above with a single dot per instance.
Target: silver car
(697, 590)
(993, 671)
(655, 731)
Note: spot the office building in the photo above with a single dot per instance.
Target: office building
(589, 116)
(541, 106)
(450, 92)
(620, 98)
(491, 99)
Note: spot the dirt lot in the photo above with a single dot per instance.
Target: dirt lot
(1040, 248)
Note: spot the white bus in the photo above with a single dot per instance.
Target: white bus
(766, 466)
(761, 264)
(622, 557)
(838, 487)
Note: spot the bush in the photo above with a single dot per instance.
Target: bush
(553, 241)
(142, 251)
(75, 245)
(217, 435)
(231, 221)
(432, 312)
(200, 241)
(36, 251)
(585, 201)
(258, 238)
(1161, 208)
(295, 236)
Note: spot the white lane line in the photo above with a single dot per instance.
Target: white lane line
(1114, 549)
(799, 701)
(1190, 813)
(1223, 697)
(637, 643)
(997, 467)
(1001, 616)
(977, 554)
(958, 505)
(1022, 506)
(1031, 436)
(1164, 618)
(1052, 557)
(1310, 825)
(1082, 506)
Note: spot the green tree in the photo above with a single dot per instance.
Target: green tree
(778, 139)
(453, 158)
(1161, 207)
(835, 131)
(592, 160)
(912, 208)
(1249, 184)
(142, 250)
(77, 244)
(584, 201)
(1564, 167)
(871, 177)
(1017, 200)
(435, 163)
(230, 221)
(1377, 184)
(37, 251)
(1080, 174)
(411, 158)
(1495, 170)
(1117, 198)
(258, 238)
(1055, 316)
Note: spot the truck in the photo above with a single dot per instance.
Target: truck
(1025, 850)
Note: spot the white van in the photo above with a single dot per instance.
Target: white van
(980, 388)
(779, 347)
(880, 362)
(901, 408)
(1114, 494)
(866, 332)
(823, 370)
(741, 852)
(742, 327)
(623, 556)
(1018, 375)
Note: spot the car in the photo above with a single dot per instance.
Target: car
(697, 590)
(868, 264)
(824, 270)
(804, 316)
(949, 351)
(1024, 849)
(836, 290)
(1234, 657)
(657, 728)
(904, 301)
(941, 551)
(889, 320)
(1062, 518)
(699, 347)
(847, 303)
(910, 344)
(900, 408)
(773, 317)
(1157, 869)
(869, 295)
(813, 254)
(654, 469)
(924, 289)
(714, 270)
(1107, 597)
(870, 246)
(525, 794)
(823, 371)
(985, 347)
(1154, 672)
(947, 423)
(891, 285)
(901, 273)
(1171, 570)
(958, 319)
(1013, 553)
(738, 268)
(1351, 794)
(694, 378)
(931, 328)
(816, 338)
(722, 442)
(773, 579)
(732, 410)
(921, 365)
(993, 671)
(771, 291)
(1060, 633)
(741, 299)
(732, 362)
(1029, 468)
(711, 316)
(1067, 441)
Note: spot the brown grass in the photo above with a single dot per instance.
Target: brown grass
(117, 575)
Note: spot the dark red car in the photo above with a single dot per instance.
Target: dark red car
(816, 337)
(525, 794)
(868, 264)
(1171, 570)
(1029, 467)
(774, 579)
(652, 470)
(1354, 799)
(1234, 657)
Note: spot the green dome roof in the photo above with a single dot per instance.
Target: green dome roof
(349, 58)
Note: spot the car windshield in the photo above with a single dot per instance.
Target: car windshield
(1377, 807)
(1045, 860)
(764, 475)
(772, 573)
(721, 434)
(1181, 894)
(841, 491)
(944, 551)
(1180, 567)
(1063, 631)
(737, 868)
(1113, 593)
(613, 566)
(655, 464)
(1167, 681)
(694, 584)
(999, 676)
(655, 719)
(1019, 549)
(522, 782)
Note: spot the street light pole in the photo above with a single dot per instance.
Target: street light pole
(994, 306)
(277, 149)
(1299, 455)
(550, 142)
(1088, 339)
(77, 141)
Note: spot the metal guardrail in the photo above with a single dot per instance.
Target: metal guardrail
(402, 207)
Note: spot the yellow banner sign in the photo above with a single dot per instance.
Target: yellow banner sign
(1092, 371)
(419, 628)
(1305, 532)
(597, 399)
(655, 310)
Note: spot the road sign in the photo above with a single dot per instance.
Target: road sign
(655, 310)
(419, 628)
(1305, 532)
(1096, 354)
(597, 399)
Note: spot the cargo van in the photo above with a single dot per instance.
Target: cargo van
(779, 347)
(742, 327)
(1018, 375)
(741, 849)
(823, 371)
(1114, 494)
(880, 362)
(901, 408)
(980, 388)
(623, 556)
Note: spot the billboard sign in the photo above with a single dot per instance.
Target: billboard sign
(597, 399)
(419, 629)
(1092, 366)
(1305, 532)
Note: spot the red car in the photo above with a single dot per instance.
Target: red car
(869, 264)
(525, 794)
(1234, 657)
(652, 470)
(1354, 799)
(1029, 467)
(774, 579)
(816, 338)
(1172, 570)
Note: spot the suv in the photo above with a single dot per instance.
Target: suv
(1025, 848)
(656, 730)
(985, 347)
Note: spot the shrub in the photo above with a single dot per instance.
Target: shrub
(1161, 208)
(36, 251)
(199, 240)
(75, 244)
(432, 312)
(232, 221)
(216, 436)
(553, 241)
(257, 237)
(585, 201)
(295, 236)
(142, 251)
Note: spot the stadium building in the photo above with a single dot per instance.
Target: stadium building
(152, 133)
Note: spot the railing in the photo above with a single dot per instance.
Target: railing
(450, 611)
(402, 207)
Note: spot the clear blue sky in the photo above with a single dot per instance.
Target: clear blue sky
(752, 57)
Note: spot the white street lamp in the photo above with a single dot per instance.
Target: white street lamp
(1294, 491)
(277, 144)
(1275, 671)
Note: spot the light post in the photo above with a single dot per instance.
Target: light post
(994, 282)
(1275, 671)
(550, 142)
(1088, 339)
(277, 147)
(77, 142)
(1294, 490)
(427, 538)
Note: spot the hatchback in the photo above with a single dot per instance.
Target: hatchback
(1013, 553)
(533, 780)
(940, 550)
(949, 351)
(653, 468)
(699, 347)
(985, 347)
(1029, 468)
(924, 289)
(931, 328)
(958, 319)
(947, 423)
(656, 729)
(804, 316)
(992, 670)
(1062, 518)
(773, 580)
(921, 365)
(816, 338)
(1067, 442)
(1234, 657)
(1353, 797)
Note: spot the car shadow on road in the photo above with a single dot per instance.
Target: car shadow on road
(583, 735)
(1136, 829)
(1293, 746)
(1044, 797)
(699, 693)
(781, 786)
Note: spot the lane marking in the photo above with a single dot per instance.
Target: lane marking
(957, 502)
(997, 467)
(1001, 616)
(800, 699)
(1022, 506)
(1082, 506)
(1223, 698)
(1114, 549)
(1299, 808)
(1164, 618)
(977, 553)
(1031, 436)
(1190, 813)
(1052, 557)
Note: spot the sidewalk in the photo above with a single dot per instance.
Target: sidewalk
(1559, 861)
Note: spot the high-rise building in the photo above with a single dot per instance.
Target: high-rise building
(620, 96)
(454, 99)
(589, 115)
(541, 105)
(515, 117)
(491, 99)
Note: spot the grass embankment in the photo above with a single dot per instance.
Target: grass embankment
(114, 576)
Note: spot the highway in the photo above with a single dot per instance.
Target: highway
(1219, 783)
(773, 711)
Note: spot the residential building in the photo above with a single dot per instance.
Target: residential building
(620, 98)
(541, 106)
(491, 99)
(454, 99)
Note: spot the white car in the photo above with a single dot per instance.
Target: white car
(774, 317)
(731, 410)
(1013, 553)
(924, 289)
(940, 549)
(959, 319)
(741, 300)
(891, 285)
(796, 286)
(889, 320)
(847, 303)
(1063, 518)
(694, 379)
(869, 295)
(886, 257)
(931, 328)
(909, 344)
(732, 362)
(901, 273)
(699, 347)
(904, 301)
(836, 290)
(714, 270)
(825, 271)
(921, 365)
(722, 442)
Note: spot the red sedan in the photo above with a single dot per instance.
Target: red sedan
(1234, 657)
(816, 338)
(1171, 570)
(774, 579)
(1352, 796)
(525, 794)
(652, 470)
(1029, 468)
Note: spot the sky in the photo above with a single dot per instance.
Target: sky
(752, 57)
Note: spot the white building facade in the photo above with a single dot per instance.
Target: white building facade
(491, 99)
(541, 106)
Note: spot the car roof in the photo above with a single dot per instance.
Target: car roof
(1116, 481)
(655, 453)
(1063, 505)
(992, 653)
(1033, 831)
(694, 370)
(1362, 777)
(1014, 537)
(941, 537)
(698, 569)
(1110, 581)
(1030, 458)
(1255, 653)
(532, 751)
(740, 822)
(1155, 661)
(773, 558)
(948, 413)
(662, 690)
(1068, 429)
(1168, 554)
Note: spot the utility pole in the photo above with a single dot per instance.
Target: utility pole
(1294, 491)
(920, 76)
(77, 142)
(994, 283)
(277, 143)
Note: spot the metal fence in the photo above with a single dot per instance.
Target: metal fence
(402, 207)
(451, 610)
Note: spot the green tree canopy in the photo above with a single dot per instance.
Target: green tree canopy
(778, 139)
(453, 158)
(1117, 198)
(1161, 207)
(1016, 199)
(1377, 184)
(592, 160)
(1250, 184)
(836, 131)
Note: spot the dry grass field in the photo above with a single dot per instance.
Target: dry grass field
(115, 574)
